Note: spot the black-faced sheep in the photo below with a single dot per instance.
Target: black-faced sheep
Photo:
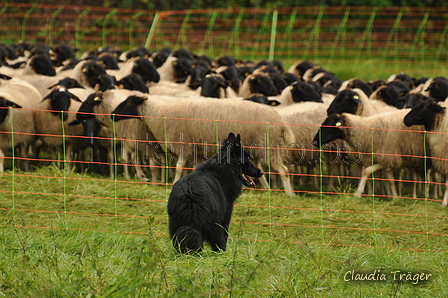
(188, 125)
(258, 83)
(51, 118)
(355, 101)
(136, 140)
(432, 115)
(378, 140)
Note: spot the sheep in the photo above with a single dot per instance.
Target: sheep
(17, 99)
(356, 83)
(140, 66)
(355, 101)
(51, 118)
(159, 57)
(231, 75)
(390, 94)
(298, 92)
(437, 88)
(300, 67)
(137, 52)
(175, 69)
(258, 83)
(378, 140)
(432, 115)
(275, 75)
(61, 53)
(37, 64)
(133, 82)
(136, 138)
(87, 72)
(192, 122)
(304, 119)
(214, 86)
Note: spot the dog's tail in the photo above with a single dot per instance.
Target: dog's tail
(187, 239)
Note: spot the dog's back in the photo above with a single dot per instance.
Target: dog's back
(199, 204)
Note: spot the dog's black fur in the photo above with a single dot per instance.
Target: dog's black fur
(200, 204)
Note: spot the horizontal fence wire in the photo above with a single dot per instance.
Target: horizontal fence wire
(126, 205)
(413, 36)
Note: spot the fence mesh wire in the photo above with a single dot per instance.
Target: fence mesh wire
(415, 36)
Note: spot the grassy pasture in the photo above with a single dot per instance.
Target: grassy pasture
(81, 235)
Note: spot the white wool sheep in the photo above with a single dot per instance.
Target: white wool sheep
(304, 119)
(54, 132)
(258, 83)
(382, 134)
(370, 107)
(136, 139)
(17, 120)
(434, 117)
(192, 127)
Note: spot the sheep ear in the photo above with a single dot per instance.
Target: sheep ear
(72, 96)
(12, 104)
(49, 96)
(75, 98)
(273, 103)
(5, 77)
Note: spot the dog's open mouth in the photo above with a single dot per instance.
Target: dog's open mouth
(248, 182)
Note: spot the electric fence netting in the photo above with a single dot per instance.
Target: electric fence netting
(66, 192)
(125, 206)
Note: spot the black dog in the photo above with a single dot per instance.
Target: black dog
(200, 204)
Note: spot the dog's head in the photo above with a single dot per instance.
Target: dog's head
(233, 152)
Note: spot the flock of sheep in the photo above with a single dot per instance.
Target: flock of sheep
(165, 112)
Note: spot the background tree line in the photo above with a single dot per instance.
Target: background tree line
(201, 4)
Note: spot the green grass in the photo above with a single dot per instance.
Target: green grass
(81, 235)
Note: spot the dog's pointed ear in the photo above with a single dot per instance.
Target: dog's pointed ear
(231, 137)
(238, 139)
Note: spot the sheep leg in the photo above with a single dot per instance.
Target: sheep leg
(111, 164)
(445, 196)
(125, 160)
(282, 170)
(414, 186)
(69, 157)
(362, 183)
(180, 165)
(2, 161)
(138, 169)
(153, 170)
(391, 181)
(23, 153)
